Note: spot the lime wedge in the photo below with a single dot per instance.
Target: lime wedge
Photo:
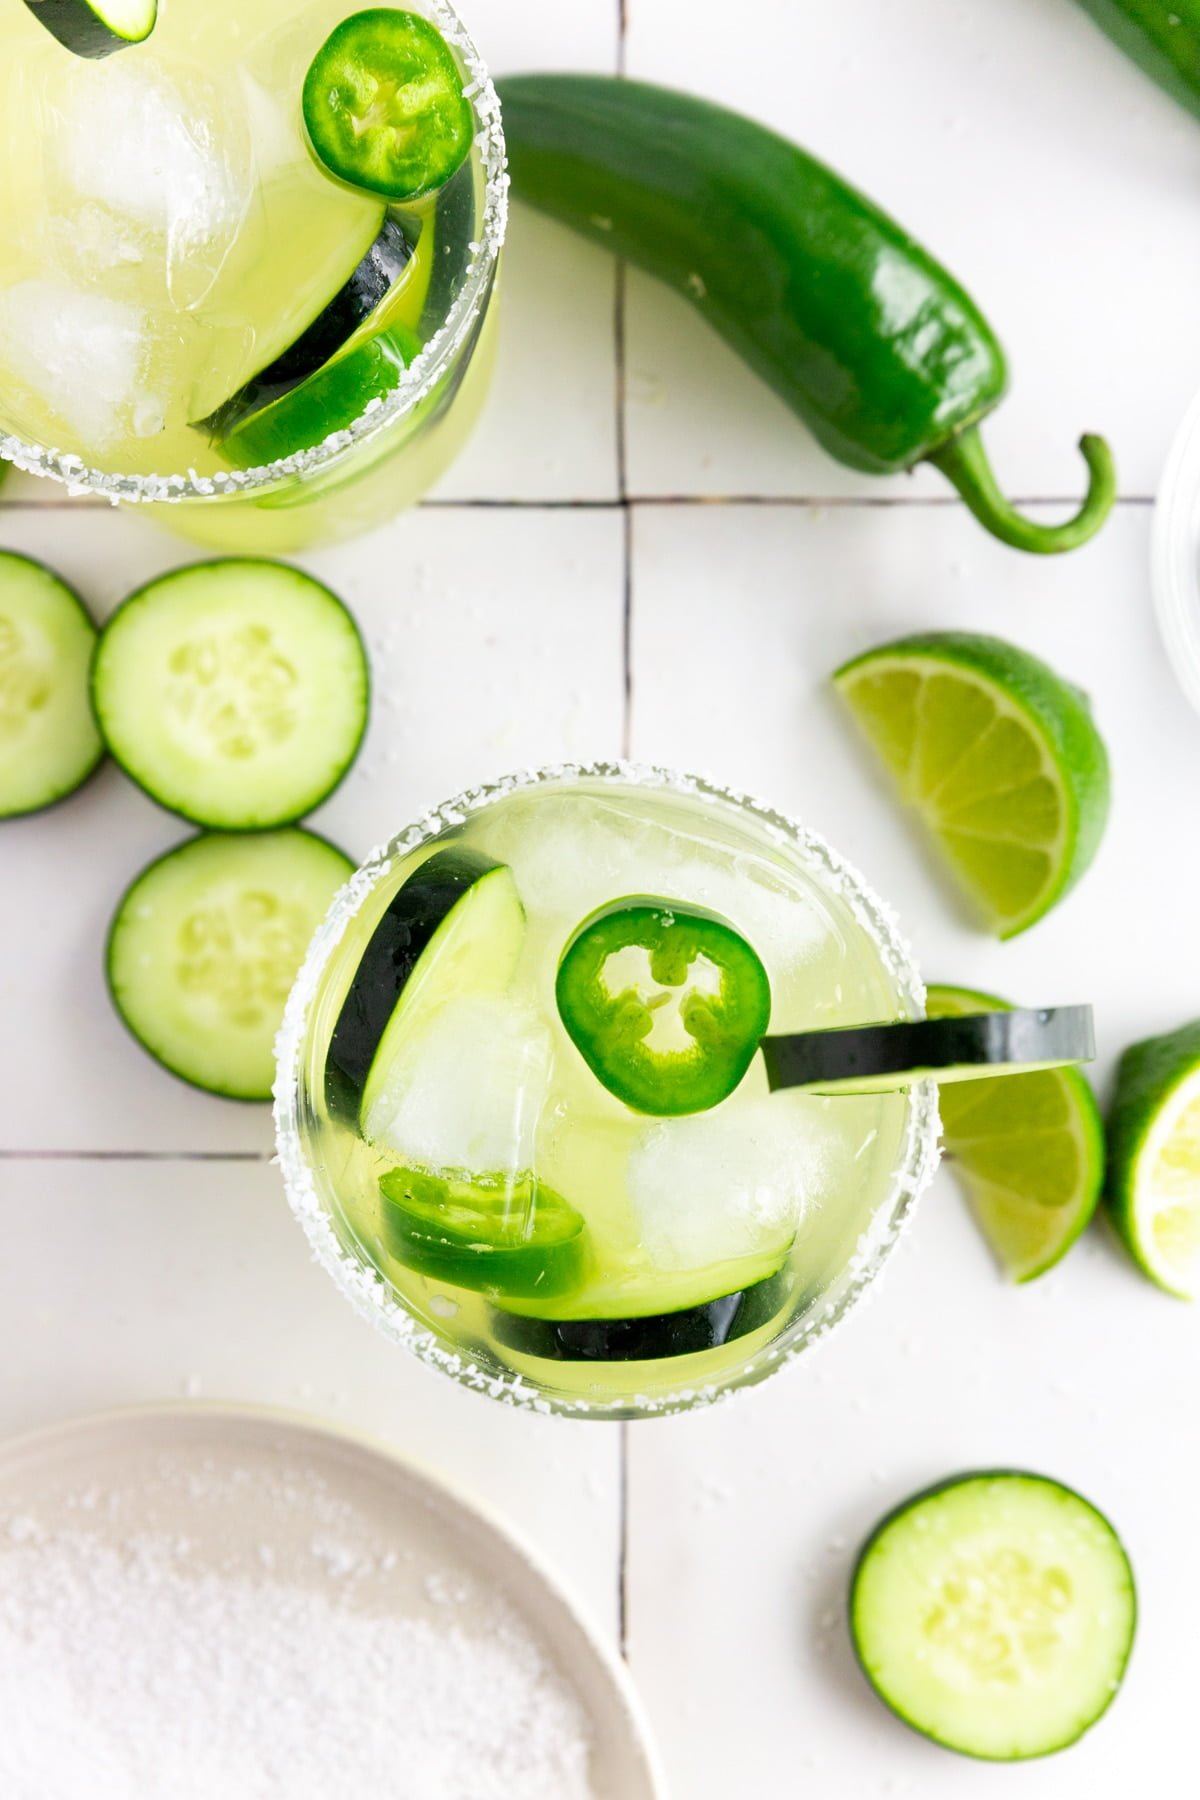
(1153, 1188)
(999, 758)
(1028, 1149)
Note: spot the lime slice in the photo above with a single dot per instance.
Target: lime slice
(1153, 1188)
(998, 757)
(1029, 1150)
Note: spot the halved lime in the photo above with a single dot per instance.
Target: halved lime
(1029, 1150)
(1153, 1191)
(997, 755)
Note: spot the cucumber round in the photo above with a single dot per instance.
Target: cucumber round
(365, 289)
(49, 743)
(206, 944)
(234, 692)
(455, 927)
(868, 1059)
(995, 1614)
(650, 1337)
(96, 28)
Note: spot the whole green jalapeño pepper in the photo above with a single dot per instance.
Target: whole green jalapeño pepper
(862, 333)
(1163, 36)
(666, 1004)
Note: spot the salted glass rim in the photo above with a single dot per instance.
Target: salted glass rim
(416, 382)
(373, 1298)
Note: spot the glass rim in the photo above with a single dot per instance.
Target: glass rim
(416, 382)
(373, 1298)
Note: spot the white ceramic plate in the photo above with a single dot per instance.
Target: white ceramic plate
(229, 1479)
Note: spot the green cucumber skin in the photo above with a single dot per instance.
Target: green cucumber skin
(78, 28)
(221, 1093)
(931, 1493)
(1147, 1074)
(1161, 36)
(89, 774)
(403, 933)
(725, 1318)
(1062, 713)
(919, 1048)
(311, 802)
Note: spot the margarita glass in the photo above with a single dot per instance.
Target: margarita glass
(169, 235)
(488, 1202)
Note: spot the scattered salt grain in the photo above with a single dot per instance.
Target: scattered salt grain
(134, 1671)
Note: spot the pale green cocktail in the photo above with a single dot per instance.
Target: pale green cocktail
(169, 235)
(487, 1200)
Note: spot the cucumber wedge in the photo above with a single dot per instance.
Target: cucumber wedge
(364, 291)
(49, 743)
(995, 1614)
(870, 1059)
(646, 1337)
(96, 28)
(234, 692)
(205, 947)
(455, 928)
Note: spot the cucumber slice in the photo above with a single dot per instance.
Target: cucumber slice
(384, 105)
(234, 692)
(496, 1238)
(329, 401)
(648, 1337)
(995, 1614)
(870, 1059)
(96, 28)
(455, 927)
(206, 944)
(49, 743)
(365, 290)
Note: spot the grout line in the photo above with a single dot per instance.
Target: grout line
(817, 502)
(143, 1156)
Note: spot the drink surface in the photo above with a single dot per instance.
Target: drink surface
(781, 1197)
(167, 234)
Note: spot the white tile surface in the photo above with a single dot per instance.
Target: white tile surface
(1062, 189)
(741, 614)
(744, 1522)
(159, 1280)
(1025, 153)
(496, 642)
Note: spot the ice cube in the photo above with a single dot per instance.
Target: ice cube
(468, 1089)
(572, 853)
(731, 1183)
(78, 354)
(173, 167)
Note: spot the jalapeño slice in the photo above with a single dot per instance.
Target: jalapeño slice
(870, 1059)
(384, 105)
(665, 1003)
(515, 1240)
